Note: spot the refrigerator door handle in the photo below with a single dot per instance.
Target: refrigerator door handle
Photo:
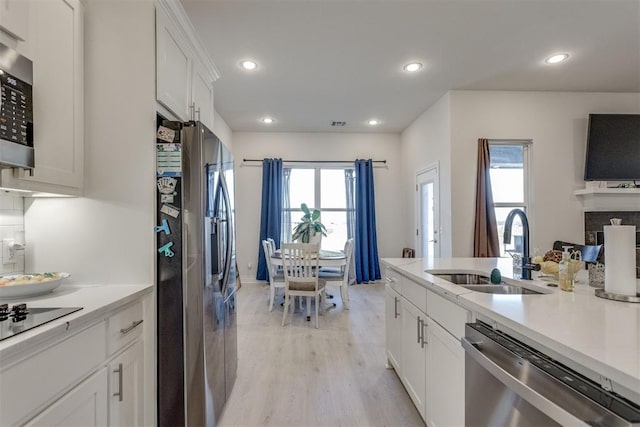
(229, 248)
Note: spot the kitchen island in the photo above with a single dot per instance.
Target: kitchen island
(598, 338)
(88, 366)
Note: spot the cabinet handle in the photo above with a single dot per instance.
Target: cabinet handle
(424, 341)
(419, 329)
(395, 307)
(119, 393)
(133, 325)
(198, 113)
(390, 280)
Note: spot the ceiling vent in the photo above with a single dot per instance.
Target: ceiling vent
(338, 123)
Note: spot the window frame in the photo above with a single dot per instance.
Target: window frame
(526, 203)
(317, 184)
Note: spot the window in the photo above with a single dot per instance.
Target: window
(509, 184)
(328, 189)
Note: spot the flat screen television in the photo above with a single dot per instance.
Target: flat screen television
(613, 148)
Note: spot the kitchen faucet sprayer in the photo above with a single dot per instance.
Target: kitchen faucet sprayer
(527, 266)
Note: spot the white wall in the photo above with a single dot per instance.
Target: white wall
(107, 236)
(557, 124)
(222, 130)
(315, 146)
(424, 142)
(11, 224)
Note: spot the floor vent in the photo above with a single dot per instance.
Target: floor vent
(338, 123)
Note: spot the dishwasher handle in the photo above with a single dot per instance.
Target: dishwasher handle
(533, 397)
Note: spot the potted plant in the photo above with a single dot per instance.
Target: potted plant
(309, 229)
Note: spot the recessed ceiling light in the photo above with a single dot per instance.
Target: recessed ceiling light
(374, 122)
(267, 120)
(556, 58)
(249, 65)
(412, 67)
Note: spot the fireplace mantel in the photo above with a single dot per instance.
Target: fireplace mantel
(609, 199)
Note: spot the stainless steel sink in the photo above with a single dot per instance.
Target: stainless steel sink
(501, 289)
(481, 283)
(465, 278)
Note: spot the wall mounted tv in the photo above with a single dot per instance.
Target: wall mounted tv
(613, 148)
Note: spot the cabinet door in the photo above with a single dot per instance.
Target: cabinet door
(393, 327)
(58, 106)
(203, 95)
(445, 371)
(173, 68)
(85, 405)
(126, 387)
(414, 354)
(14, 15)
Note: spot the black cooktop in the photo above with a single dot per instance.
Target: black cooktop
(19, 318)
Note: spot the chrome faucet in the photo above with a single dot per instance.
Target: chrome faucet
(527, 266)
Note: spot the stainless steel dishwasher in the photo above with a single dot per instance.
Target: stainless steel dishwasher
(508, 383)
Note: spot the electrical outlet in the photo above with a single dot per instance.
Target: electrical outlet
(8, 256)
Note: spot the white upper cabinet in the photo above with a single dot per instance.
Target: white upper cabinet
(56, 43)
(14, 18)
(173, 68)
(202, 95)
(184, 71)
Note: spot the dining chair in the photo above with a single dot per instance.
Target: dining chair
(340, 277)
(300, 262)
(276, 277)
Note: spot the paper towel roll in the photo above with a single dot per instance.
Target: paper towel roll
(620, 259)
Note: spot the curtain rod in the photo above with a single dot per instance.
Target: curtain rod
(316, 161)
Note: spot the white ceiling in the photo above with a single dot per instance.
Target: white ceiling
(326, 60)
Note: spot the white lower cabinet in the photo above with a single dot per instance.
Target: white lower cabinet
(91, 375)
(393, 330)
(445, 373)
(414, 355)
(126, 390)
(424, 348)
(85, 405)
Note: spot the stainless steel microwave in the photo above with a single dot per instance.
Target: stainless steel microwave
(16, 109)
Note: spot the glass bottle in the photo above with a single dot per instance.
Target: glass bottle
(565, 275)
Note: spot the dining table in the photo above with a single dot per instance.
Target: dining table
(326, 258)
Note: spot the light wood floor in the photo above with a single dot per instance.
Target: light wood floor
(297, 375)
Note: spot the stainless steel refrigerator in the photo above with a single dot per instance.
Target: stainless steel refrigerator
(196, 275)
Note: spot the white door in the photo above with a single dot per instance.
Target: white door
(427, 213)
(445, 371)
(393, 309)
(126, 387)
(414, 354)
(85, 405)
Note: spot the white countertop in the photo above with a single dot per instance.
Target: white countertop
(599, 334)
(96, 302)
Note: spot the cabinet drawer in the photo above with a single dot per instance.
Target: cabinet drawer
(415, 293)
(124, 327)
(449, 315)
(393, 279)
(37, 380)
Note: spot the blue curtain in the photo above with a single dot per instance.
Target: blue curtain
(366, 241)
(271, 212)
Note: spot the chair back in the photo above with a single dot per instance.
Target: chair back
(268, 253)
(272, 243)
(590, 253)
(348, 254)
(300, 263)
